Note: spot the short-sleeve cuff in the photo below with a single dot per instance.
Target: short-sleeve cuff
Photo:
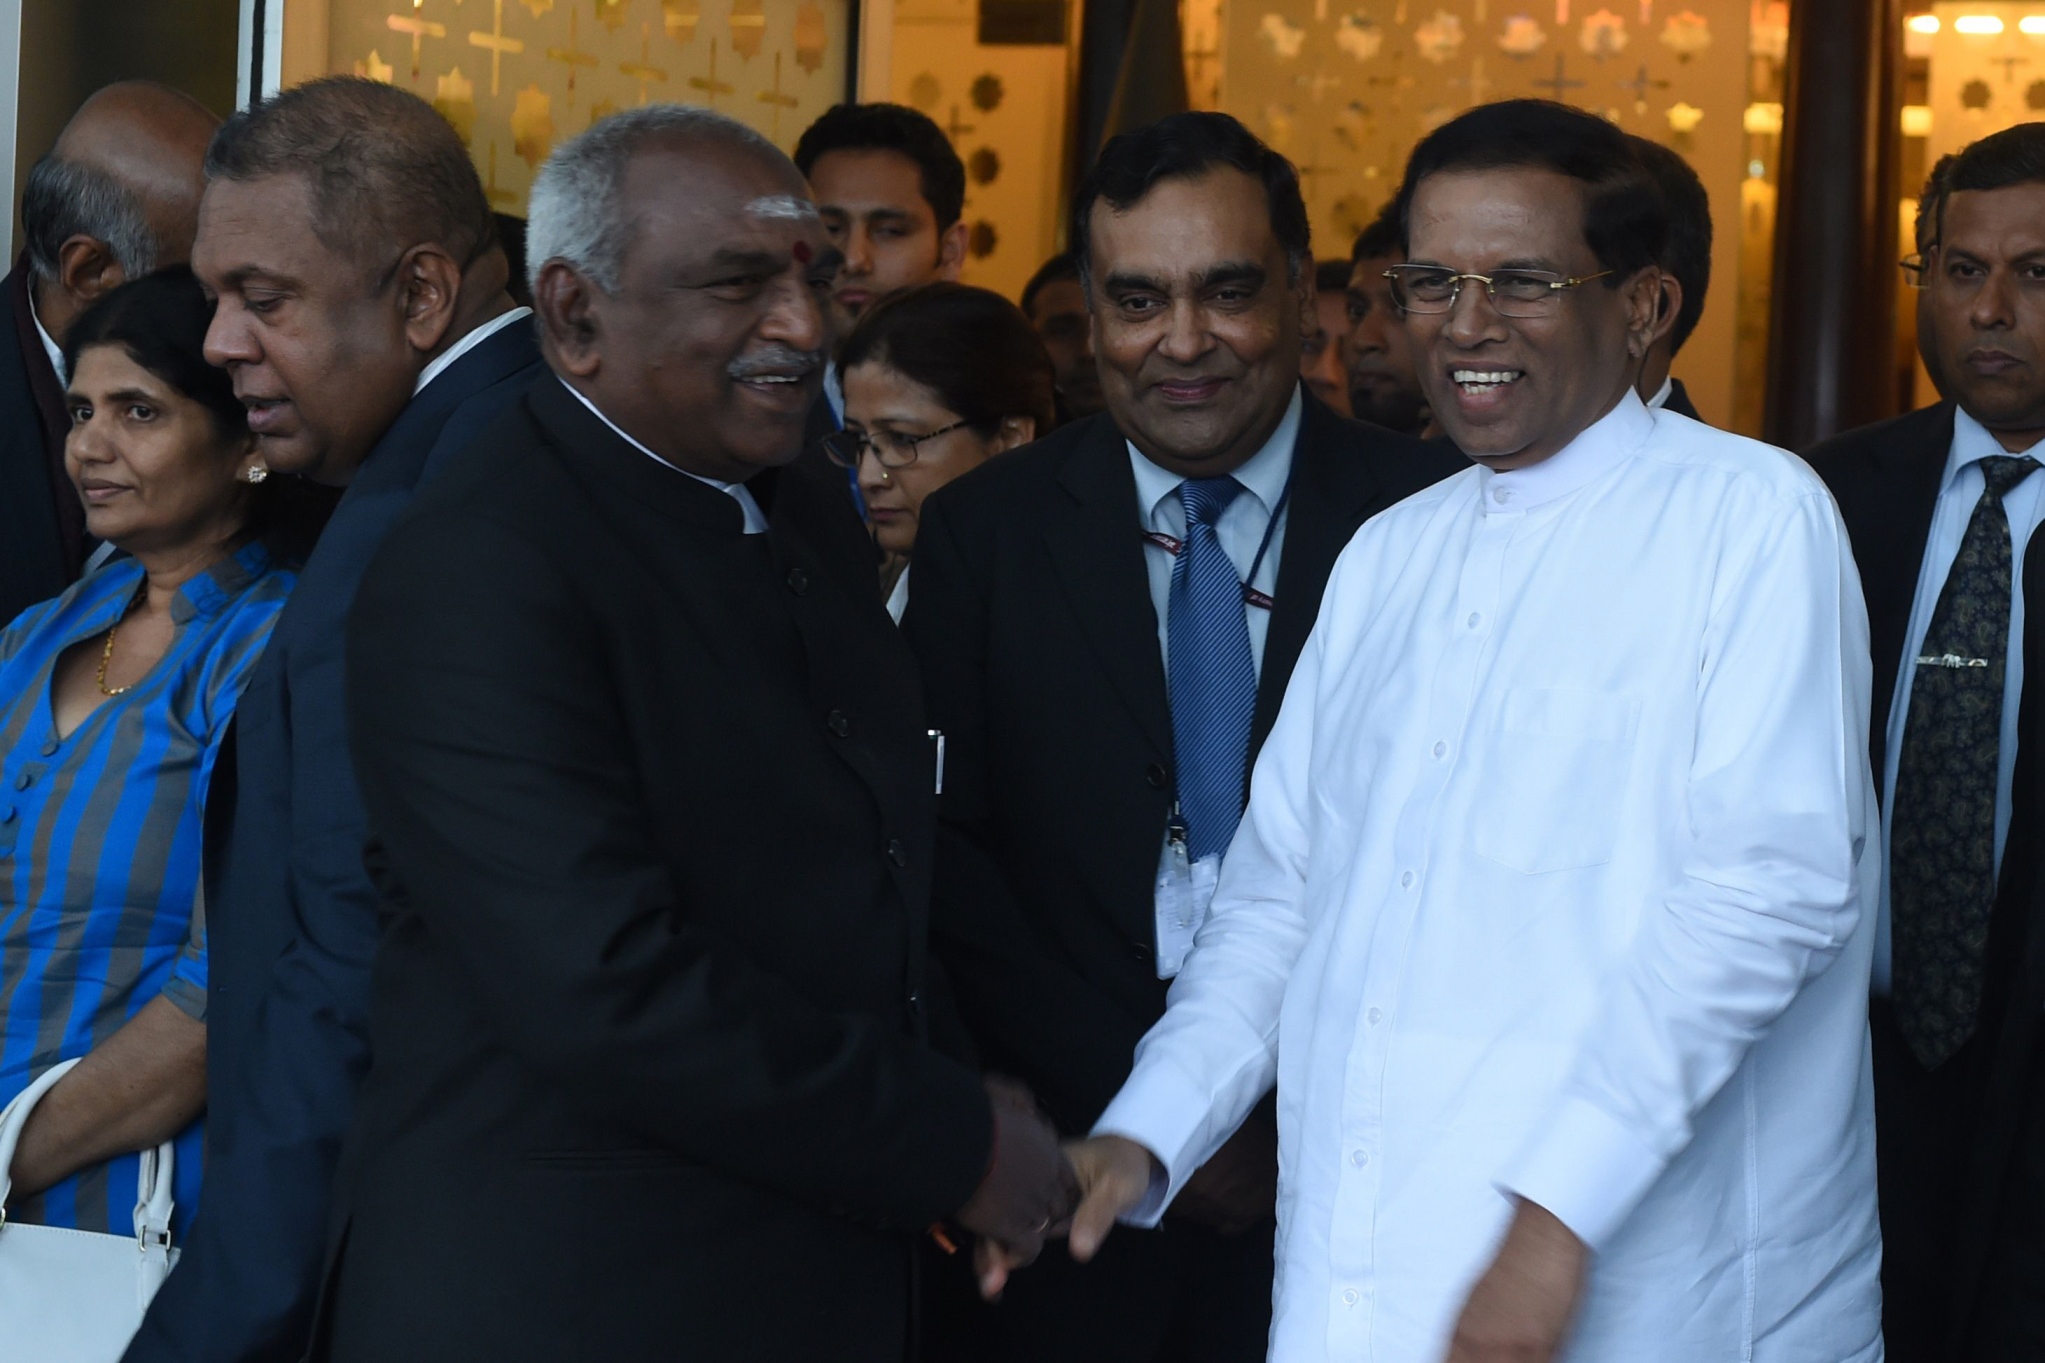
(1584, 1168)
(1167, 1114)
(186, 997)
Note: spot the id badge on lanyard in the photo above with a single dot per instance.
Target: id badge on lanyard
(1185, 890)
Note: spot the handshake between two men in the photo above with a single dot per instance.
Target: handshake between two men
(1037, 1190)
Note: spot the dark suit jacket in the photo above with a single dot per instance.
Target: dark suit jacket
(1886, 478)
(1030, 611)
(2015, 1007)
(653, 817)
(292, 918)
(42, 524)
(1679, 401)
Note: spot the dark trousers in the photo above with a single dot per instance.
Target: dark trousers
(1178, 1295)
(1925, 1126)
(2009, 1319)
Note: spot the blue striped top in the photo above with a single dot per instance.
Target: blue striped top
(100, 837)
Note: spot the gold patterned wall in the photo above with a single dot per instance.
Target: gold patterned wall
(1004, 105)
(1346, 87)
(517, 76)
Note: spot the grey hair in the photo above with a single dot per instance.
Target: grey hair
(573, 213)
(64, 199)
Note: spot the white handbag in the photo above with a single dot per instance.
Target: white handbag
(75, 1296)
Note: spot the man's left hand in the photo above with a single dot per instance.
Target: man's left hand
(1520, 1309)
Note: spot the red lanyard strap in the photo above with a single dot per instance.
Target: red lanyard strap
(1251, 596)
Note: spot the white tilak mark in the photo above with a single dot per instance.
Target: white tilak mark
(787, 207)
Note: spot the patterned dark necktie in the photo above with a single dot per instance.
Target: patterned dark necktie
(1213, 677)
(1942, 830)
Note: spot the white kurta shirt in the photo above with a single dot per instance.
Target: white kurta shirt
(1567, 805)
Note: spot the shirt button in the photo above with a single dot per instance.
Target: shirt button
(24, 781)
(1475, 618)
(898, 851)
(1406, 881)
(50, 748)
(798, 581)
(1376, 1015)
(1440, 749)
(6, 813)
(1501, 495)
(1155, 775)
(1350, 1297)
(1359, 1159)
(838, 724)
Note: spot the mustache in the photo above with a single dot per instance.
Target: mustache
(776, 360)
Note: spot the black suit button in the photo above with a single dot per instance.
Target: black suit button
(1156, 776)
(898, 851)
(915, 1004)
(1141, 951)
(798, 581)
(838, 724)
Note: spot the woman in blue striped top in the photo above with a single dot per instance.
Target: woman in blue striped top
(116, 697)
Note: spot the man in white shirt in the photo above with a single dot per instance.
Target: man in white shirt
(1942, 505)
(1106, 621)
(1546, 914)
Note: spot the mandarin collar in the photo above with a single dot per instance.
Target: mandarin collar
(1602, 446)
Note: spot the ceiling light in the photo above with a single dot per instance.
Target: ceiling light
(1977, 24)
(2033, 24)
(1922, 23)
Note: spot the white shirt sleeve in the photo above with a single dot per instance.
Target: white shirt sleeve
(1214, 1054)
(1778, 800)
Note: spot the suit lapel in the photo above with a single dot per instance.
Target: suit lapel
(1333, 491)
(1097, 551)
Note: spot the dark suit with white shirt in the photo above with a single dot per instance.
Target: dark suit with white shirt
(1035, 615)
(1902, 494)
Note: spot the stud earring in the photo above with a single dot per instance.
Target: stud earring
(256, 473)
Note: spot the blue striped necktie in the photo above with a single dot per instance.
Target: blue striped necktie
(1212, 675)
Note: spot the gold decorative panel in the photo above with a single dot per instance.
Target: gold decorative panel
(1346, 87)
(1987, 72)
(517, 76)
(1004, 107)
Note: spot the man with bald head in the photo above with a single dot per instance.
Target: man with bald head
(117, 197)
(651, 802)
(363, 316)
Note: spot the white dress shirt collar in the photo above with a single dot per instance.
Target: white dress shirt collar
(898, 596)
(445, 359)
(1661, 394)
(50, 347)
(1263, 476)
(1608, 442)
(756, 520)
(834, 391)
(1972, 442)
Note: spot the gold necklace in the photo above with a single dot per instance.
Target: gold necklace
(107, 654)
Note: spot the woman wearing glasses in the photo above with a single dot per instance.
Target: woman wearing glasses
(938, 380)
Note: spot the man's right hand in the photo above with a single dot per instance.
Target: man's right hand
(1114, 1176)
(1029, 1186)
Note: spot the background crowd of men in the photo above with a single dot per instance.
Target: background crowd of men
(625, 941)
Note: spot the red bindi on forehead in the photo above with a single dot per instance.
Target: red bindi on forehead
(802, 253)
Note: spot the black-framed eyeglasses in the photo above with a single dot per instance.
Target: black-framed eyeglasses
(1916, 269)
(1428, 289)
(894, 449)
